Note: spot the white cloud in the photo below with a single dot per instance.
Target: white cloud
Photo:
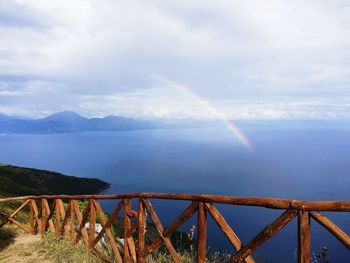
(90, 55)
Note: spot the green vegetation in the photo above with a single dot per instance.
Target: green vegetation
(60, 250)
(16, 181)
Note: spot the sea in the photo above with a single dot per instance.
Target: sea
(284, 162)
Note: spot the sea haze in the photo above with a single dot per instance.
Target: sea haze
(296, 162)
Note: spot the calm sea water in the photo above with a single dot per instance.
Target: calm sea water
(311, 164)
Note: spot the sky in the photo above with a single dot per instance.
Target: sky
(176, 59)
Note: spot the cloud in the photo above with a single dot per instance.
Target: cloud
(87, 55)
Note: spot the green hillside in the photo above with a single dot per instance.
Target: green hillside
(16, 181)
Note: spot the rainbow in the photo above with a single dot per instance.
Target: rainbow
(205, 103)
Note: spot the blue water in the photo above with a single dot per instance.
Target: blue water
(311, 164)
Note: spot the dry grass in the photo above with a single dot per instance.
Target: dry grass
(17, 247)
(59, 250)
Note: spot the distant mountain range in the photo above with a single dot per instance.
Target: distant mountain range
(68, 121)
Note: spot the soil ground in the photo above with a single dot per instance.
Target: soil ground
(22, 249)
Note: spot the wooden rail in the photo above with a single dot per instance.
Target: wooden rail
(50, 213)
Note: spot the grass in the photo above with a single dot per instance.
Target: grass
(8, 231)
(60, 250)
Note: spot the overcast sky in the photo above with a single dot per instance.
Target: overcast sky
(176, 59)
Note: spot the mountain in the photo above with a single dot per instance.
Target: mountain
(17, 181)
(112, 123)
(65, 116)
(68, 121)
(60, 122)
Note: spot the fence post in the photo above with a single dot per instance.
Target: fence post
(72, 222)
(141, 232)
(127, 225)
(43, 217)
(202, 233)
(304, 237)
(31, 218)
(92, 224)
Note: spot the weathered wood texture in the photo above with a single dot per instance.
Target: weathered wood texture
(232, 237)
(332, 228)
(189, 211)
(159, 226)
(92, 224)
(15, 222)
(69, 221)
(202, 233)
(106, 229)
(274, 203)
(82, 218)
(304, 237)
(265, 234)
(15, 212)
(141, 232)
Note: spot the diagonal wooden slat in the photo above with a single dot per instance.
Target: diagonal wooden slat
(175, 257)
(35, 211)
(132, 213)
(332, 228)
(132, 228)
(59, 210)
(50, 214)
(106, 224)
(62, 226)
(185, 215)
(230, 234)
(101, 255)
(82, 218)
(14, 213)
(14, 221)
(127, 256)
(265, 234)
(65, 219)
(61, 207)
(129, 244)
(109, 222)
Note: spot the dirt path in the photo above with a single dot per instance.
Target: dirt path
(22, 249)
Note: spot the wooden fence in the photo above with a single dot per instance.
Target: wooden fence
(48, 213)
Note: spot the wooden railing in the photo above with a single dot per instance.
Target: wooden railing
(48, 213)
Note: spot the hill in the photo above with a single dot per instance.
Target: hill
(16, 181)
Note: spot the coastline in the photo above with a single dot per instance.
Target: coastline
(17, 181)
